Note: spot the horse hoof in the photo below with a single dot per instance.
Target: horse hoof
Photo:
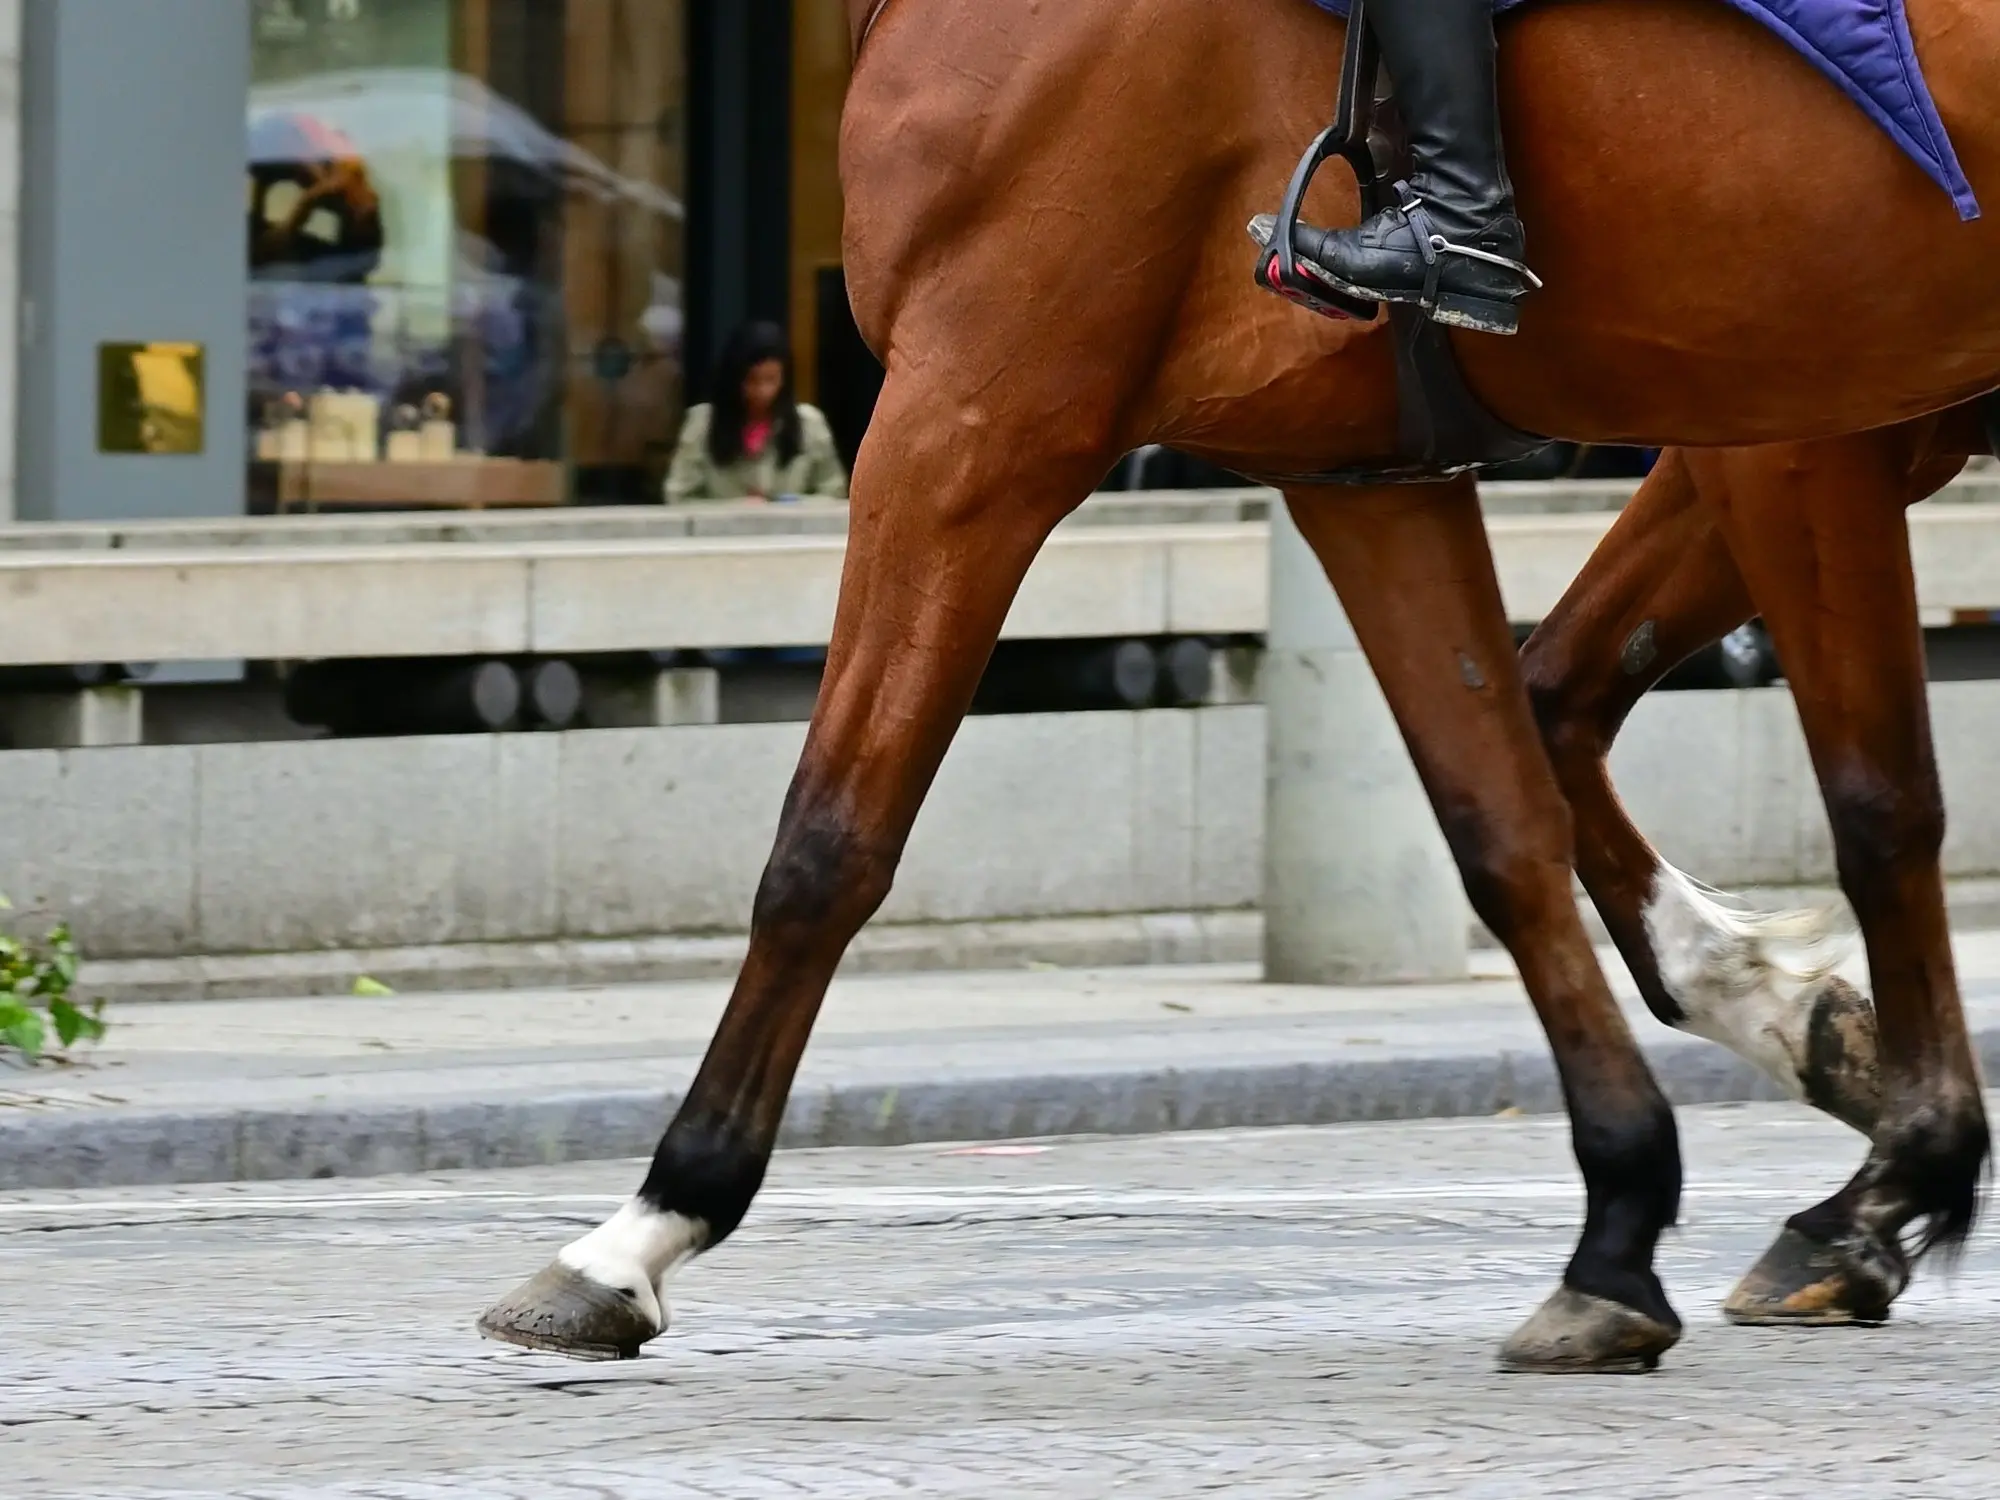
(1842, 1071)
(1574, 1333)
(1802, 1283)
(563, 1311)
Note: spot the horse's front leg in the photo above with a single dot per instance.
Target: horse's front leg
(947, 515)
(1413, 569)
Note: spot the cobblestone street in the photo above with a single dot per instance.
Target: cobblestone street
(1290, 1313)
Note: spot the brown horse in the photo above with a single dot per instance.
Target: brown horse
(1045, 243)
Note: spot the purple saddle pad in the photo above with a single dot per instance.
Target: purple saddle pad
(1864, 46)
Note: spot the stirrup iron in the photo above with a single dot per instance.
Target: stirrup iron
(1279, 269)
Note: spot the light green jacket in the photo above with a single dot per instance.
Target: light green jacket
(817, 470)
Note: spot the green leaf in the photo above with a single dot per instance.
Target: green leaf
(5, 904)
(372, 989)
(22, 1029)
(36, 980)
(66, 1018)
(72, 1023)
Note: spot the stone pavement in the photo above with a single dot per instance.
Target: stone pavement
(341, 1087)
(1298, 1313)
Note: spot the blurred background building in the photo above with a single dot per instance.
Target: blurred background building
(376, 236)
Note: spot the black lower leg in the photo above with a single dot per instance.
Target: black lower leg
(707, 1170)
(1917, 1191)
(1919, 1187)
(822, 883)
(1621, 1126)
(1936, 1159)
(1631, 1163)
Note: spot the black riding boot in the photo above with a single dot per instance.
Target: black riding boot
(1452, 244)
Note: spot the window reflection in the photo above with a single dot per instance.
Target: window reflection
(464, 288)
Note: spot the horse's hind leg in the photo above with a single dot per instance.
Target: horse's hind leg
(1660, 587)
(1827, 564)
(1413, 569)
(947, 514)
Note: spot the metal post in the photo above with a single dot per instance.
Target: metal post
(1359, 887)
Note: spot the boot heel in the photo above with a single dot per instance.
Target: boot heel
(1479, 314)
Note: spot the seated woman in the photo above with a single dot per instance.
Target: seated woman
(755, 441)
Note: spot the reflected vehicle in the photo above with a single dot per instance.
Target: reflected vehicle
(437, 114)
(365, 279)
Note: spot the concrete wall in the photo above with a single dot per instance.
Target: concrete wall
(274, 847)
(1721, 783)
(10, 241)
(370, 844)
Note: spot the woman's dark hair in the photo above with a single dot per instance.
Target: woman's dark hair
(750, 346)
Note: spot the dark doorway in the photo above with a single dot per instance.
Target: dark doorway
(850, 377)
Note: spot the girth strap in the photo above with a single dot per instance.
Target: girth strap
(868, 25)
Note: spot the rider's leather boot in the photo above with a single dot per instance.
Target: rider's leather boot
(1452, 243)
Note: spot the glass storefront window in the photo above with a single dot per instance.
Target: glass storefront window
(466, 242)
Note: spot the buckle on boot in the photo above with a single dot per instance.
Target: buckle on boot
(1434, 247)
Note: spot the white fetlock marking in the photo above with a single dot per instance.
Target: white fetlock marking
(1744, 979)
(637, 1249)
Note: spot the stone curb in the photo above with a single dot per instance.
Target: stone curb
(95, 1148)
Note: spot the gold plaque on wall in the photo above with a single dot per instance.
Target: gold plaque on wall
(151, 398)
